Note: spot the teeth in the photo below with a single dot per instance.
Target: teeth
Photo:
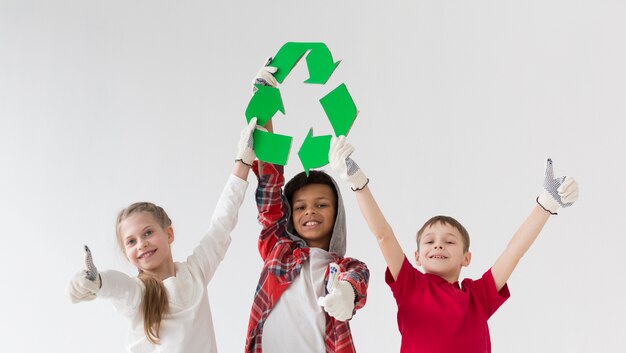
(146, 254)
(311, 223)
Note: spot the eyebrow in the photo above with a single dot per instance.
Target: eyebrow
(315, 199)
(143, 230)
(431, 233)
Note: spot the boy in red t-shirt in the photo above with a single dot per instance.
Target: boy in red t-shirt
(435, 313)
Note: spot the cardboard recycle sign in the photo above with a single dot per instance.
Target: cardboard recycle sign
(266, 101)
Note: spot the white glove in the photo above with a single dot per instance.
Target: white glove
(265, 76)
(245, 152)
(557, 192)
(85, 284)
(342, 164)
(339, 302)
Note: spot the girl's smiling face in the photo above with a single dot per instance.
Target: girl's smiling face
(147, 244)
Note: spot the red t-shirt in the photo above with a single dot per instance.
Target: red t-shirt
(440, 317)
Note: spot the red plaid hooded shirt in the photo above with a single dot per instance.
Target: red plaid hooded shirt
(283, 259)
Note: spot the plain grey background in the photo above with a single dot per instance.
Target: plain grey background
(103, 103)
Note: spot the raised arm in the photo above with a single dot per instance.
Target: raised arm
(558, 192)
(349, 171)
(209, 253)
(272, 207)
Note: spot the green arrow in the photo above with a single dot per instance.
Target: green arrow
(319, 61)
(265, 102)
(271, 148)
(314, 151)
(340, 109)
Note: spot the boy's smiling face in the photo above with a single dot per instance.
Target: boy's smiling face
(314, 213)
(441, 252)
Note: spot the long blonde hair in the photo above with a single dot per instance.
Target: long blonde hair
(155, 303)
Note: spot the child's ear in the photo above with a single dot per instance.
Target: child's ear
(170, 234)
(467, 258)
(417, 258)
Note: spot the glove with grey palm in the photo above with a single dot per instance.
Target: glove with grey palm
(346, 167)
(265, 76)
(85, 285)
(557, 192)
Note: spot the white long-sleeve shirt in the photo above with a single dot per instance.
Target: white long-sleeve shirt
(188, 328)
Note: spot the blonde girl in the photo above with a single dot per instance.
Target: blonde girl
(167, 303)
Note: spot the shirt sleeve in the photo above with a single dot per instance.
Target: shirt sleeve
(408, 278)
(125, 292)
(486, 291)
(207, 256)
(272, 206)
(358, 275)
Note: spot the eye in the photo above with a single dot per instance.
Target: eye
(299, 208)
(147, 233)
(429, 242)
(322, 205)
(449, 242)
(130, 242)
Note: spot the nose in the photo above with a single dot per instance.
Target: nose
(439, 246)
(310, 210)
(142, 243)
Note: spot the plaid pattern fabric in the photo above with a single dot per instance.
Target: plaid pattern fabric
(283, 259)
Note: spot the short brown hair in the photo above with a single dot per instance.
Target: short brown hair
(449, 221)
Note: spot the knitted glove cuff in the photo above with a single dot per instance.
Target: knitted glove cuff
(548, 203)
(246, 157)
(93, 286)
(245, 147)
(355, 176)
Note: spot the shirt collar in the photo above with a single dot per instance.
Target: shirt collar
(438, 280)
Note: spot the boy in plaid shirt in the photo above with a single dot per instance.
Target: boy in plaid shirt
(307, 289)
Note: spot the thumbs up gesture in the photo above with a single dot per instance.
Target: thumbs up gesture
(557, 192)
(339, 302)
(86, 283)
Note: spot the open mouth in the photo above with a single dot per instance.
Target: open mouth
(147, 254)
(311, 223)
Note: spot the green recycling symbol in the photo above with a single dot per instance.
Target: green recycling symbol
(266, 101)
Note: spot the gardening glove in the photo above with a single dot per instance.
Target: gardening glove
(265, 76)
(245, 152)
(85, 284)
(557, 192)
(339, 302)
(342, 164)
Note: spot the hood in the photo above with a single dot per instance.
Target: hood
(338, 238)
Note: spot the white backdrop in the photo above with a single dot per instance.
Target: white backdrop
(103, 103)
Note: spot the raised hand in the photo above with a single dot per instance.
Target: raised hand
(92, 271)
(85, 285)
(245, 151)
(265, 76)
(342, 164)
(557, 192)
